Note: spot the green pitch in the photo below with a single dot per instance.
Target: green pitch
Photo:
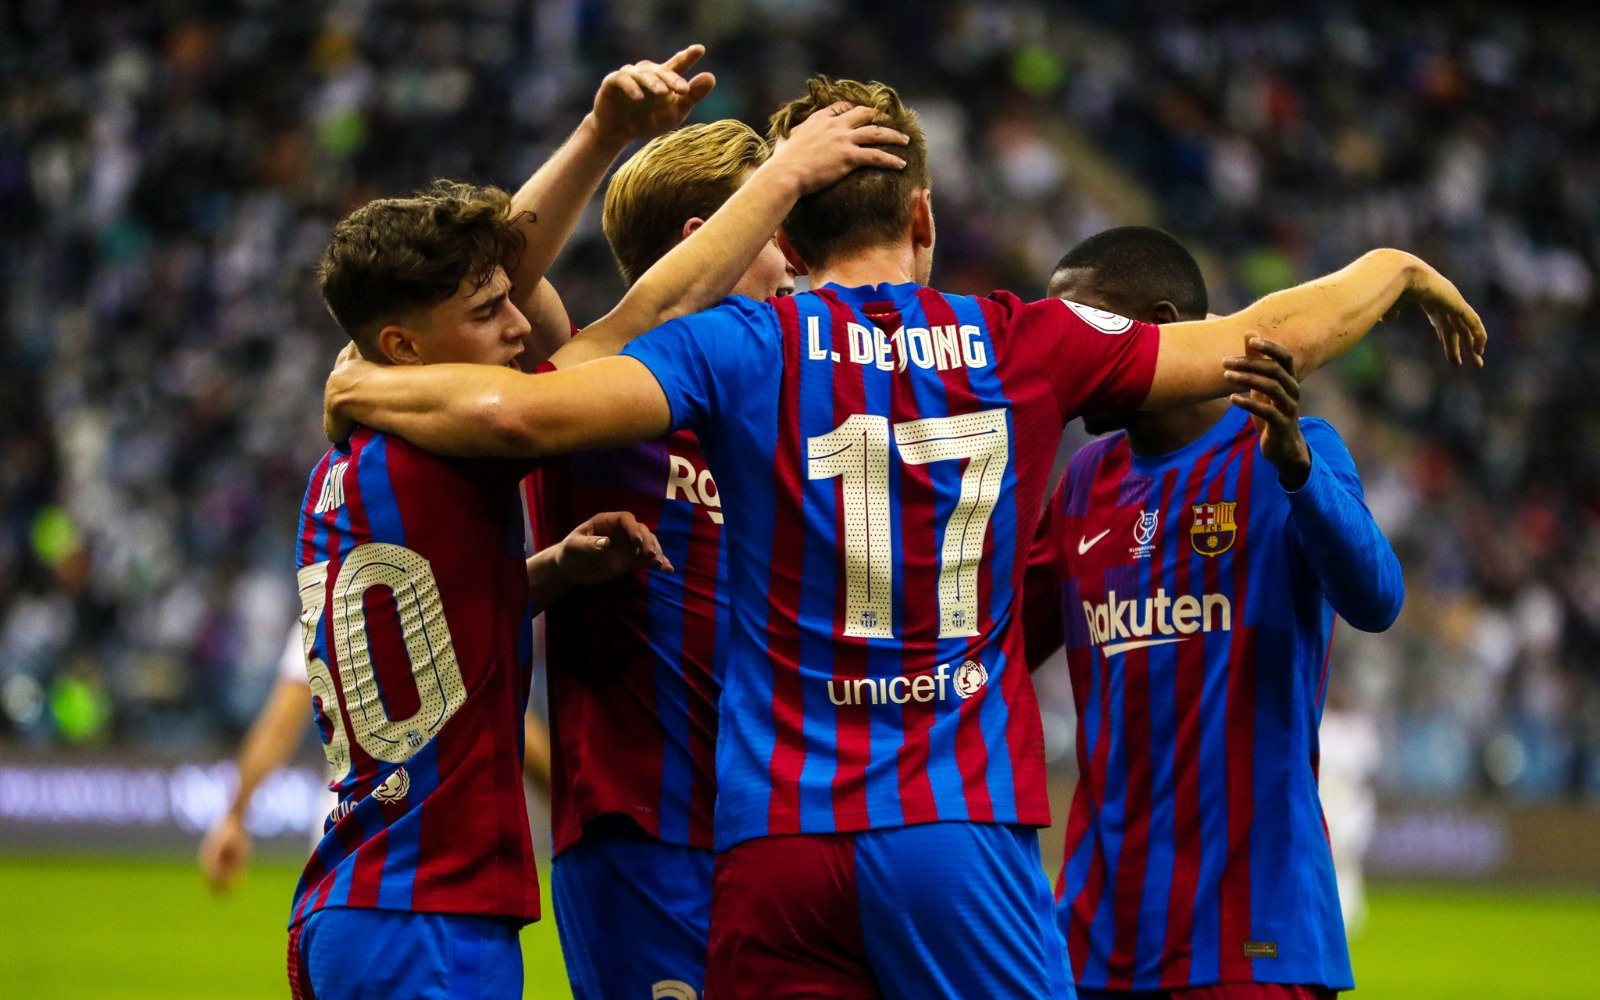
(129, 930)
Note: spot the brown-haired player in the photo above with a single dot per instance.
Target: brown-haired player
(632, 665)
(412, 577)
(882, 451)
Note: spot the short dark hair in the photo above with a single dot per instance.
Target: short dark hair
(394, 256)
(869, 206)
(1140, 266)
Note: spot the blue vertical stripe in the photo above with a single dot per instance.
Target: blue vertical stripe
(666, 617)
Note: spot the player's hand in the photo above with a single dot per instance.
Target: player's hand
(347, 369)
(1456, 323)
(1273, 398)
(646, 99)
(608, 545)
(834, 141)
(224, 852)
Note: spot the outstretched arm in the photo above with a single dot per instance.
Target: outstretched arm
(1316, 322)
(639, 101)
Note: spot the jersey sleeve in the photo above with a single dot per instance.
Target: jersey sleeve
(709, 361)
(1097, 362)
(1338, 538)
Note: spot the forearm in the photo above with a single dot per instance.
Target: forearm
(546, 581)
(483, 410)
(1316, 321)
(549, 204)
(698, 272)
(1344, 546)
(270, 742)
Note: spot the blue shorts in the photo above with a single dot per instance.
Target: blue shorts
(936, 910)
(634, 915)
(353, 954)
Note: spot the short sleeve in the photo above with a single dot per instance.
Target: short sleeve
(1097, 361)
(708, 361)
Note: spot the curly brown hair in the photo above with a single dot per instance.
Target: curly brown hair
(871, 205)
(393, 257)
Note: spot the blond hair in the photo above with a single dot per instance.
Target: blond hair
(685, 174)
(871, 205)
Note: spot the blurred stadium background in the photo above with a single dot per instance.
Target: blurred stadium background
(170, 168)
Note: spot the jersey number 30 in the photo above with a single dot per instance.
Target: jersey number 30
(857, 451)
(408, 577)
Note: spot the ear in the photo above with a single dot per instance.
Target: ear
(398, 345)
(1165, 312)
(795, 260)
(689, 226)
(922, 218)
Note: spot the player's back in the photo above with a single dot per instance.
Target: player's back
(882, 453)
(631, 664)
(415, 593)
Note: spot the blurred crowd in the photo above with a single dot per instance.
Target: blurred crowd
(169, 172)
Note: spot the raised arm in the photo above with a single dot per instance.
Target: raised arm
(1317, 322)
(635, 102)
(698, 272)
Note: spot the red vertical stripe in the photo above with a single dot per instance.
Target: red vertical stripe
(852, 723)
(1178, 952)
(972, 752)
(1241, 731)
(1134, 858)
(367, 870)
(783, 591)
(1090, 801)
(919, 615)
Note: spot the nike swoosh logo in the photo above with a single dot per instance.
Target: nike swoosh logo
(1085, 544)
(1122, 647)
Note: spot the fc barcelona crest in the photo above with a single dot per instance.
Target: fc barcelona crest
(1213, 530)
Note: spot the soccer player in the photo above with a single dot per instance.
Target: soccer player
(631, 666)
(1196, 560)
(416, 594)
(881, 450)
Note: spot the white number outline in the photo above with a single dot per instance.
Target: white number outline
(857, 451)
(409, 578)
(984, 440)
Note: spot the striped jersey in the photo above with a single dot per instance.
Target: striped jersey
(415, 598)
(882, 453)
(1198, 598)
(631, 664)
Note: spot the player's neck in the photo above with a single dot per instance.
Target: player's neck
(889, 264)
(1159, 433)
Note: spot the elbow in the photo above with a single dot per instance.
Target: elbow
(1384, 612)
(513, 431)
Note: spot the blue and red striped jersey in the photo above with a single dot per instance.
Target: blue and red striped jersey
(1195, 594)
(883, 453)
(415, 596)
(631, 665)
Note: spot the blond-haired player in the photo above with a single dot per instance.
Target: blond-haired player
(633, 666)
